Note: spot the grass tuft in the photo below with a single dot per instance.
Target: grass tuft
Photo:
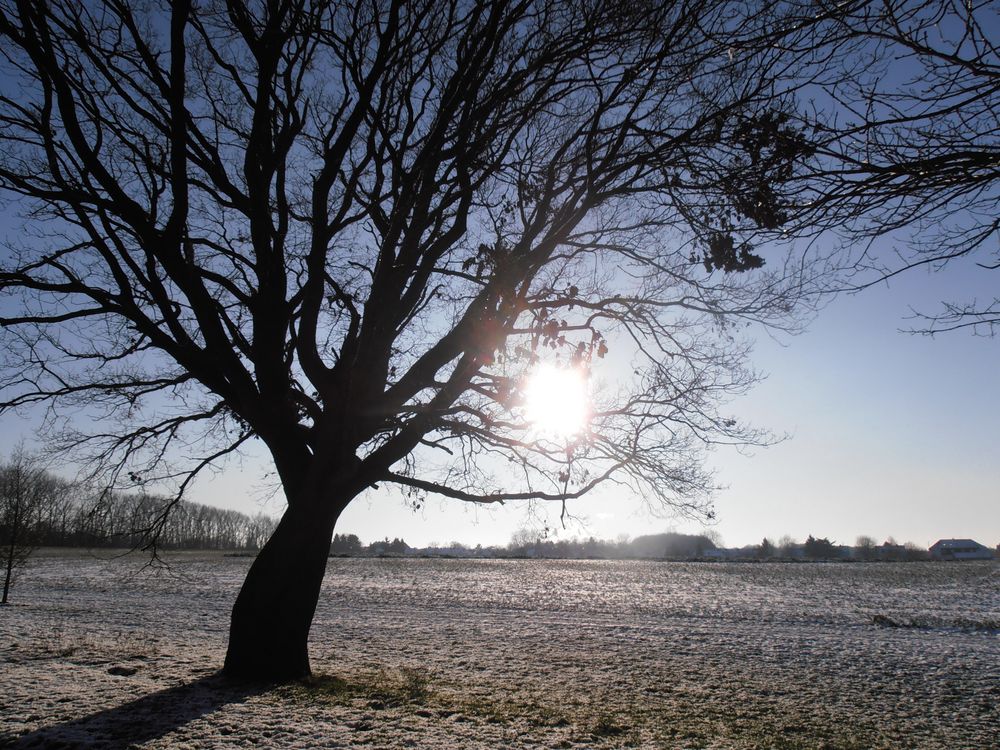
(382, 689)
(606, 726)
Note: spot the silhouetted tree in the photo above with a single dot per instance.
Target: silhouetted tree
(395, 547)
(348, 230)
(346, 544)
(892, 550)
(669, 545)
(787, 546)
(865, 548)
(914, 552)
(26, 494)
(819, 549)
(917, 143)
(765, 549)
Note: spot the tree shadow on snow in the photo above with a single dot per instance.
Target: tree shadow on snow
(147, 718)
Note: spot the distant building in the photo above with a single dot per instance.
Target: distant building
(960, 549)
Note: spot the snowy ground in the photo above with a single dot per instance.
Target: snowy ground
(496, 654)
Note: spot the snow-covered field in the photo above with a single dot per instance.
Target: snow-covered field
(496, 654)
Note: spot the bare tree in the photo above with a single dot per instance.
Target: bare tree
(787, 546)
(349, 230)
(26, 492)
(866, 548)
(765, 549)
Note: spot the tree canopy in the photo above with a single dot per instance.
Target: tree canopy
(348, 230)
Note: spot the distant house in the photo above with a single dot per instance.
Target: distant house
(960, 549)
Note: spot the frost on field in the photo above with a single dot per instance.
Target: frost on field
(486, 654)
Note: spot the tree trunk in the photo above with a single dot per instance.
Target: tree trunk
(11, 555)
(7, 576)
(269, 631)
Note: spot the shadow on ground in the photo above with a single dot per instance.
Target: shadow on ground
(148, 718)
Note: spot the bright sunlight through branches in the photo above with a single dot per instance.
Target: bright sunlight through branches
(557, 400)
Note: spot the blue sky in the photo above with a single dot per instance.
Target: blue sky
(889, 433)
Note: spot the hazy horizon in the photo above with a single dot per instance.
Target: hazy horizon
(889, 434)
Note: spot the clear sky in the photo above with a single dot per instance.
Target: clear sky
(889, 433)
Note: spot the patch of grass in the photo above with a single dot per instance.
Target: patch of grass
(382, 689)
(502, 708)
(689, 729)
(414, 690)
(331, 687)
(413, 685)
(607, 726)
(562, 719)
(93, 649)
(925, 623)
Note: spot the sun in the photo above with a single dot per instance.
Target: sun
(556, 400)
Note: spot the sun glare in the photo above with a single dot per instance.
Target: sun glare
(556, 400)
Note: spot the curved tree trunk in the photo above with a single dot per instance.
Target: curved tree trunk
(270, 624)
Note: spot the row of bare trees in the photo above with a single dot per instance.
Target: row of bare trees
(127, 520)
(527, 542)
(865, 548)
(38, 508)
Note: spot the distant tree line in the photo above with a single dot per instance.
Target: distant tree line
(127, 519)
(649, 546)
(349, 545)
(666, 546)
(529, 543)
(865, 548)
(39, 509)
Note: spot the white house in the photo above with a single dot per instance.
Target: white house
(960, 549)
